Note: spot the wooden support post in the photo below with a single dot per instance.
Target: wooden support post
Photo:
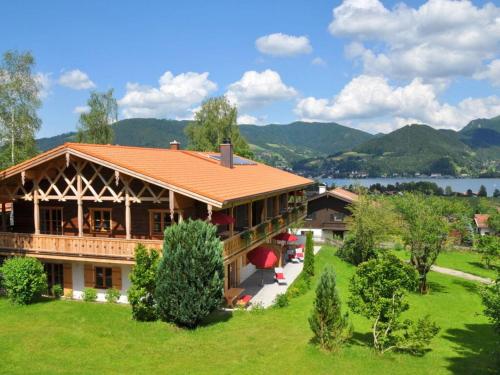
(4, 219)
(209, 209)
(171, 204)
(36, 207)
(231, 226)
(250, 219)
(128, 218)
(79, 201)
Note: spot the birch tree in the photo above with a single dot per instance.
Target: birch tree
(96, 125)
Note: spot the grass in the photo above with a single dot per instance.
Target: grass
(462, 260)
(76, 337)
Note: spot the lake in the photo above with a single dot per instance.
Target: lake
(457, 184)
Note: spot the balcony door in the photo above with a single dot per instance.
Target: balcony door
(55, 275)
(51, 219)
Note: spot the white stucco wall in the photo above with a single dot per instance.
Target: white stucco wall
(246, 271)
(79, 286)
(318, 234)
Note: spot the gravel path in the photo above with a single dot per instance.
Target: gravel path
(463, 275)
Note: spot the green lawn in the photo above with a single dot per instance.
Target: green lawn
(76, 337)
(462, 260)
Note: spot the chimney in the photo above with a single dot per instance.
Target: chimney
(226, 153)
(322, 189)
(174, 145)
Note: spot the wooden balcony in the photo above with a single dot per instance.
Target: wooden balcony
(114, 250)
(335, 225)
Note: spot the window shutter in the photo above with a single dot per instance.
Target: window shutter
(117, 277)
(88, 276)
(67, 276)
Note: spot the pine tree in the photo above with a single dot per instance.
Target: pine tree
(329, 325)
(190, 280)
(309, 256)
(482, 191)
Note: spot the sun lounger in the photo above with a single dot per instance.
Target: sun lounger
(279, 276)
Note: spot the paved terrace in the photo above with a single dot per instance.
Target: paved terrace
(264, 289)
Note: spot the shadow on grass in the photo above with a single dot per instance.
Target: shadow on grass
(470, 286)
(218, 316)
(481, 266)
(435, 288)
(361, 339)
(476, 348)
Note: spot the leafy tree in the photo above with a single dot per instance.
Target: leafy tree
(482, 191)
(213, 123)
(190, 280)
(425, 231)
(378, 290)
(494, 222)
(489, 247)
(491, 302)
(369, 224)
(448, 191)
(329, 325)
(309, 256)
(24, 279)
(496, 193)
(96, 124)
(143, 278)
(19, 101)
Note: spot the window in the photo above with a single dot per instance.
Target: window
(311, 216)
(51, 220)
(337, 216)
(103, 277)
(100, 220)
(55, 274)
(159, 220)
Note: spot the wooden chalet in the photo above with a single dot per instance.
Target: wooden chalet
(82, 208)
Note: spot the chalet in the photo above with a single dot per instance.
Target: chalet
(481, 222)
(82, 208)
(327, 212)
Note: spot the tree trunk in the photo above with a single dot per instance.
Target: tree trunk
(12, 140)
(423, 283)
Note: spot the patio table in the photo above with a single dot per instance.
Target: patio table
(232, 294)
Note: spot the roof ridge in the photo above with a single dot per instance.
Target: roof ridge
(117, 146)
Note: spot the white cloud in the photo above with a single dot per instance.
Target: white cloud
(279, 44)
(44, 84)
(81, 109)
(441, 38)
(174, 97)
(318, 61)
(367, 99)
(256, 89)
(491, 73)
(251, 120)
(76, 80)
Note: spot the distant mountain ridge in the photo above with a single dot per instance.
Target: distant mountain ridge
(331, 149)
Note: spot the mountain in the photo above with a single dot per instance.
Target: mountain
(275, 144)
(417, 149)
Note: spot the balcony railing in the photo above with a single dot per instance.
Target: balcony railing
(122, 249)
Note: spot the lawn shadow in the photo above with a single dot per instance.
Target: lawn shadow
(470, 286)
(361, 339)
(218, 316)
(476, 348)
(481, 266)
(435, 287)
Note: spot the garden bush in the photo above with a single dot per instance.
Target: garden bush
(281, 300)
(57, 291)
(112, 295)
(190, 280)
(24, 279)
(89, 295)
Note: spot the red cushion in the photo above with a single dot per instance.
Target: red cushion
(299, 255)
(246, 298)
(280, 276)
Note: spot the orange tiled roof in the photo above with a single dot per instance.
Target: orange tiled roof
(481, 220)
(344, 194)
(191, 171)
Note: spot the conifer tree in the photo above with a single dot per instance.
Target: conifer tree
(329, 325)
(309, 256)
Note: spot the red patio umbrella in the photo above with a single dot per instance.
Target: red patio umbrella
(287, 237)
(262, 257)
(220, 218)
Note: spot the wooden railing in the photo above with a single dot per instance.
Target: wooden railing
(112, 248)
(261, 232)
(122, 249)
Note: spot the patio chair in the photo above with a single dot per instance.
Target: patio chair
(244, 301)
(291, 256)
(279, 276)
(299, 255)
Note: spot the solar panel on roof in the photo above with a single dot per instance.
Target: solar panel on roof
(236, 160)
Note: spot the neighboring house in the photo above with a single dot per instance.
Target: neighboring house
(327, 212)
(82, 209)
(481, 222)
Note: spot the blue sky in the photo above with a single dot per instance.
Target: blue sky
(363, 63)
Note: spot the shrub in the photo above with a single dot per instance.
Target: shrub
(491, 302)
(57, 291)
(489, 247)
(24, 279)
(329, 325)
(300, 286)
(378, 290)
(143, 278)
(281, 300)
(113, 295)
(190, 279)
(69, 294)
(89, 295)
(309, 256)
